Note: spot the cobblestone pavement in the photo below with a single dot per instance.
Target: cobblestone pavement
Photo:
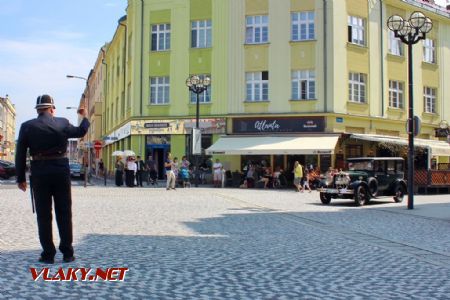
(232, 244)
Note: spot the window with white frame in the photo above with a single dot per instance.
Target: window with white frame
(396, 94)
(356, 30)
(357, 87)
(201, 34)
(395, 45)
(429, 97)
(303, 85)
(257, 29)
(160, 37)
(257, 86)
(159, 90)
(303, 27)
(429, 51)
(204, 97)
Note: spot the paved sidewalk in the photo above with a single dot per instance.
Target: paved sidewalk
(234, 244)
(436, 207)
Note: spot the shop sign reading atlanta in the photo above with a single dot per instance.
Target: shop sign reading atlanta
(281, 125)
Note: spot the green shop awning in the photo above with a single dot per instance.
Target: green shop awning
(437, 148)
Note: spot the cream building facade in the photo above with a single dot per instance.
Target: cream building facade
(7, 129)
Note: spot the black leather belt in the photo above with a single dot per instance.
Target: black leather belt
(48, 157)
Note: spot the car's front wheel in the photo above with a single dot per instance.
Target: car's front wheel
(399, 193)
(325, 198)
(361, 196)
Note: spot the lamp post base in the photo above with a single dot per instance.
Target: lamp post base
(197, 172)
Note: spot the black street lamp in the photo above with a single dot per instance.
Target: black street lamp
(87, 169)
(410, 32)
(197, 85)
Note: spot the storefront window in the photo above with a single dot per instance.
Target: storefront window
(158, 139)
(206, 143)
(354, 151)
(311, 161)
(258, 160)
(278, 161)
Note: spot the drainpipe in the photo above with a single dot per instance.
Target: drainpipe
(104, 114)
(106, 91)
(142, 55)
(382, 57)
(325, 61)
(124, 63)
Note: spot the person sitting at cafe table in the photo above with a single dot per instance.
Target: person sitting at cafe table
(267, 175)
(250, 176)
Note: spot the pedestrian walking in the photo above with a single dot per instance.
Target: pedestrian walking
(298, 175)
(130, 171)
(120, 166)
(184, 171)
(151, 169)
(101, 167)
(46, 139)
(306, 178)
(170, 174)
(203, 171)
(217, 167)
(140, 169)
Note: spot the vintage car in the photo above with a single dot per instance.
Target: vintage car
(366, 178)
(7, 169)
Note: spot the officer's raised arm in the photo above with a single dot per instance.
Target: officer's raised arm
(80, 131)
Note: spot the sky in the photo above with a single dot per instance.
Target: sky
(42, 41)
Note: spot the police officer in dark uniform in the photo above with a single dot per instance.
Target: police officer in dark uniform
(46, 138)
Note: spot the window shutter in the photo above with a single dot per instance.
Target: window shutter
(349, 32)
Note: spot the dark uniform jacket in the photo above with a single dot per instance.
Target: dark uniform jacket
(46, 136)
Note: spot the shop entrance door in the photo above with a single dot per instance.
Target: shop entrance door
(159, 154)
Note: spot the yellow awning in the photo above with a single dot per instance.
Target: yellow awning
(438, 148)
(268, 145)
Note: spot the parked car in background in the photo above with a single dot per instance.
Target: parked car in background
(76, 170)
(366, 178)
(7, 169)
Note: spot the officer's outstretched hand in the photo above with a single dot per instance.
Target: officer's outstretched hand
(82, 112)
(22, 186)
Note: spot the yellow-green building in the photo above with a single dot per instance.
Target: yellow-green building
(310, 80)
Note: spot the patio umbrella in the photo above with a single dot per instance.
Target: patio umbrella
(117, 153)
(129, 153)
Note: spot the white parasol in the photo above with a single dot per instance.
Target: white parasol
(118, 153)
(129, 153)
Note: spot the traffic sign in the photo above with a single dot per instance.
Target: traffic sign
(97, 145)
(417, 125)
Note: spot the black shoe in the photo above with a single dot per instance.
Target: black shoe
(46, 260)
(68, 259)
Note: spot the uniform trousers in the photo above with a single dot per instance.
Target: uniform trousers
(48, 189)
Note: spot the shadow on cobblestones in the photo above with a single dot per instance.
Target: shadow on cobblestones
(253, 255)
